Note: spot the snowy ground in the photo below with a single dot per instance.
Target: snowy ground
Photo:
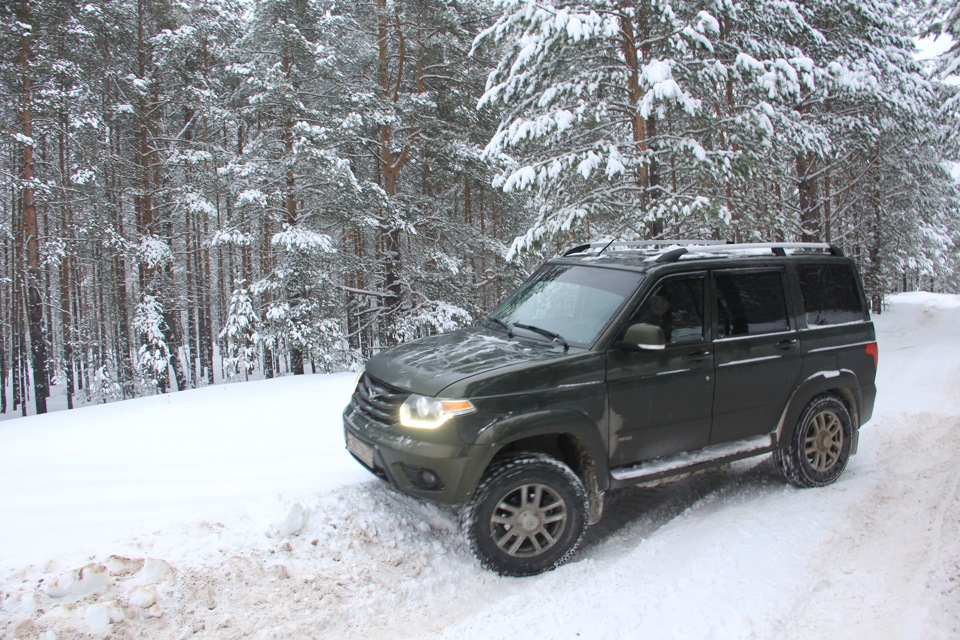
(234, 512)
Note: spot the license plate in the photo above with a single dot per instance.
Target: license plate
(361, 450)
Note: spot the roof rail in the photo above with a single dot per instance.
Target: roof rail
(778, 248)
(603, 246)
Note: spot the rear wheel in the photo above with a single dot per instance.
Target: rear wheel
(820, 444)
(527, 516)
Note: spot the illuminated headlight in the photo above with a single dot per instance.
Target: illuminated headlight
(423, 412)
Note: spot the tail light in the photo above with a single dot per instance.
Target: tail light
(874, 353)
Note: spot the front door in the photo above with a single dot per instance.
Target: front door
(661, 401)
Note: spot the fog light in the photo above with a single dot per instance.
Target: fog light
(421, 478)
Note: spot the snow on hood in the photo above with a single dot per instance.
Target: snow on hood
(430, 365)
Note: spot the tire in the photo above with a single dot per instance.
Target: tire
(819, 446)
(527, 515)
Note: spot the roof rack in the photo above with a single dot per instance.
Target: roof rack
(673, 250)
(778, 248)
(603, 246)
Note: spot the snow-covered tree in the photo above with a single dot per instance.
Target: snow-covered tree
(153, 357)
(941, 18)
(239, 334)
(288, 154)
(750, 121)
(332, 158)
(191, 52)
(600, 100)
(422, 229)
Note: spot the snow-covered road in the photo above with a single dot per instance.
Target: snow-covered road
(233, 512)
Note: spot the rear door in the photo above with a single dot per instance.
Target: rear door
(756, 351)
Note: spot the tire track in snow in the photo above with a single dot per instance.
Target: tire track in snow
(883, 575)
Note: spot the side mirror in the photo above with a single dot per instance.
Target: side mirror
(645, 337)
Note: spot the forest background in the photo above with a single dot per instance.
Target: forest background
(201, 190)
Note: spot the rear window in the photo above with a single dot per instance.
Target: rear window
(750, 303)
(830, 294)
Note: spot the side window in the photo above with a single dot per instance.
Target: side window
(676, 306)
(830, 294)
(750, 303)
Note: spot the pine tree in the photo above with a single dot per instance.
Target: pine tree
(414, 142)
(942, 18)
(331, 160)
(590, 92)
(153, 357)
(281, 50)
(240, 335)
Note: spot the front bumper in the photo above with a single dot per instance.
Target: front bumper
(430, 464)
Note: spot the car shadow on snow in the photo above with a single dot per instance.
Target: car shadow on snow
(638, 512)
(632, 513)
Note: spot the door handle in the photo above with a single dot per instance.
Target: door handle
(787, 345)
(698, 356)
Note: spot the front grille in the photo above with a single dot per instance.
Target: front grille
(378, 401)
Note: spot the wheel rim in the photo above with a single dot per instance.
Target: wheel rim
(824, 441)
(528, 520)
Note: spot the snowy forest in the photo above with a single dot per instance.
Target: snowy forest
(203, 190)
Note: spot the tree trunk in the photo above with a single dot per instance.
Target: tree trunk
(173, 326)
(633, 29)
(193, 327)
(875, 278)
(48, 308)
(124, 359)
(16, 343)
(38, 345)
(79, 319)
(808, 200)
(265, 267)
(66, 323)
(3, 322)
(393, 162)
(290, 210)
(205, 345)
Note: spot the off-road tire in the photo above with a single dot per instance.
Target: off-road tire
(819, 447)
(527, 515)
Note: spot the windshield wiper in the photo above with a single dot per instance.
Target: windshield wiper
(556, 337)
(502, 324)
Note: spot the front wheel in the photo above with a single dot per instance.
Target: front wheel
(820, 444)
(527, 516)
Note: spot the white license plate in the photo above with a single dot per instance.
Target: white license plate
(361, 450)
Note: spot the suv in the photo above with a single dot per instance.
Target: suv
(616, 365)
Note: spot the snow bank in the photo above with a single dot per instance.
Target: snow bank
(74, 480)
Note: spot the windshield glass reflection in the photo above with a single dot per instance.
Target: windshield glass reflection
(568, 304)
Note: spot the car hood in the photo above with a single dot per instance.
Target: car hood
(430, 365)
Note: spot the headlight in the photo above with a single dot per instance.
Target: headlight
(423, 412)
(356, 380)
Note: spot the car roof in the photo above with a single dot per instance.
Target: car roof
(648, 254)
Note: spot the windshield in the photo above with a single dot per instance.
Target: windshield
(572, 302)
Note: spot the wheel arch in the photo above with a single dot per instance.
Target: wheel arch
(568, 437)
(843, 384)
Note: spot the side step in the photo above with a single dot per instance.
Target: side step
(692, 461)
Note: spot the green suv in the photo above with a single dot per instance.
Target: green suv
(617, 365)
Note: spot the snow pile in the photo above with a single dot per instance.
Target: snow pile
(355, 553)
(234, 512)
